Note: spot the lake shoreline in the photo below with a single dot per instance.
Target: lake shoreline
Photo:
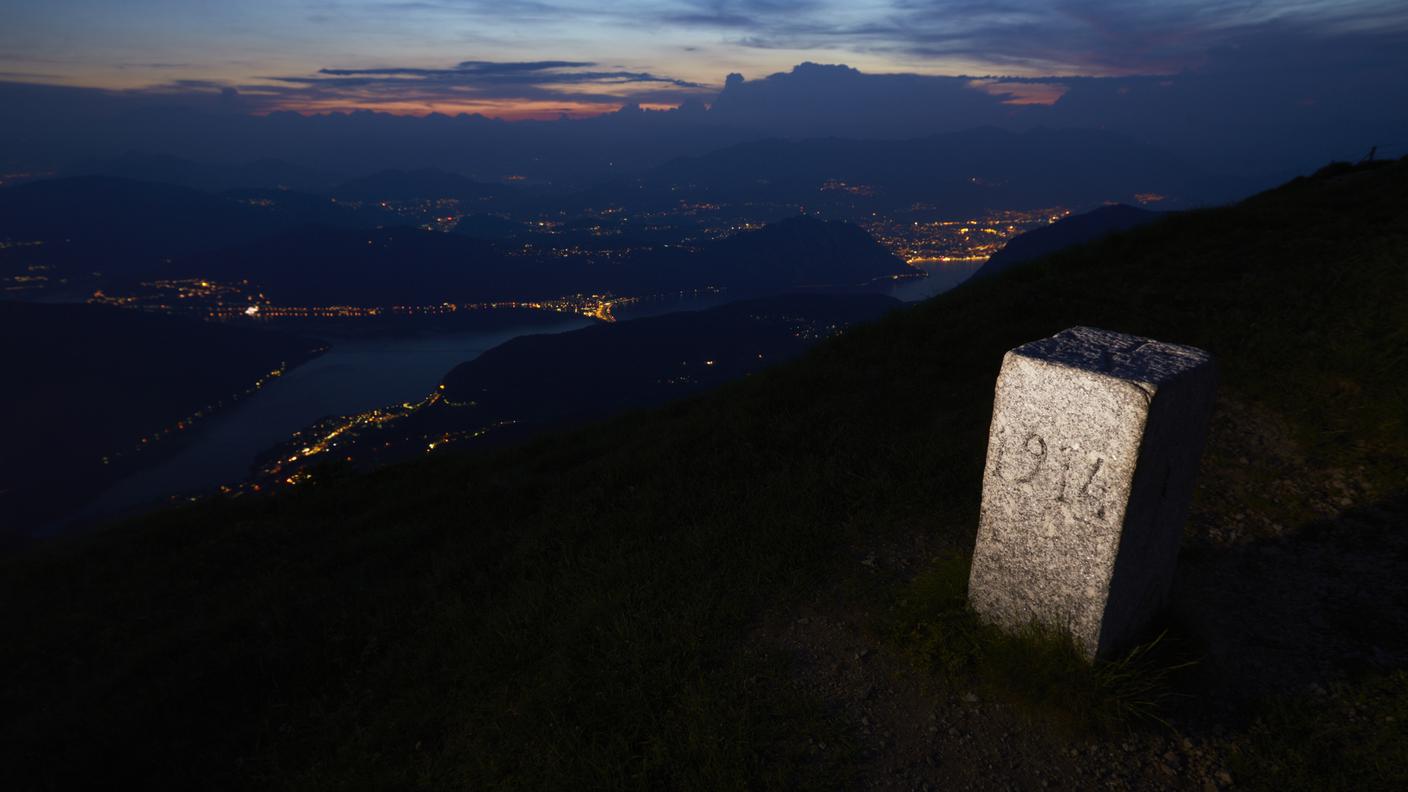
(353, 374)
(367, 357)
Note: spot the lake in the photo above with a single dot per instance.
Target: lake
(359, 374)
(354, 376)
(942, 277)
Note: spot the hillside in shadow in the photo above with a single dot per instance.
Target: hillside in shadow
(752, 588)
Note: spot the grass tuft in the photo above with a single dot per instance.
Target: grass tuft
(1040, 671)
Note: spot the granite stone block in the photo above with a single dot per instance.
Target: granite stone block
(1092, 455)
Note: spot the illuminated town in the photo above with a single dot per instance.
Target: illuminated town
(291, 467)
(212, 300)
(941, 241)
(919, 235)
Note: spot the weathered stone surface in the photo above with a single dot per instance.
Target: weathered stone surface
(1092, 454)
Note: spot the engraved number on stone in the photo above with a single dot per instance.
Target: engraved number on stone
(1023, 463)
(1078, 482)
(1093, 494)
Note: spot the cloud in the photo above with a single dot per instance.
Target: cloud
(1064, 37)
(154, 66)
(517, 10)
(465, 69)
(738, 14)
(723, 20)
(470, 85)
(1176, 71)
(488, 74)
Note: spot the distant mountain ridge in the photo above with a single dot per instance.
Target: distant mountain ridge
(317, 265)
(132, 223)
(1068, 231)
(126, 216)
(958, 172)
(307, 249)
(265, 173)
(425, 183)
(648, 361)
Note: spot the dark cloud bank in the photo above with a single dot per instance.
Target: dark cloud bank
(1254, 112)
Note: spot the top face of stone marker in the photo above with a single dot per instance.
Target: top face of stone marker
(1116, 355)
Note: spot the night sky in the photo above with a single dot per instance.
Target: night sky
(525, 58)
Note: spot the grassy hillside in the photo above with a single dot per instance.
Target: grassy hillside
(709, 596)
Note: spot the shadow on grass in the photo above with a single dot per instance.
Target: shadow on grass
(1326, 603)
(1353, 736)
(1040, 672)
(1306, 651)
(1299, 645)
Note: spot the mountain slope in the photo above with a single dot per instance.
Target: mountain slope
(651, 360)
(691, 598)
(1068, 231)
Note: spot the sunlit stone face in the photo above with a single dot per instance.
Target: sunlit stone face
(1094, 444)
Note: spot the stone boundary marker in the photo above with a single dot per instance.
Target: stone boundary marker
(1093, 450)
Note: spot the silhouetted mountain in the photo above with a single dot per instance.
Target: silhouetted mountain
(1073, 230)
(299, 208)
(614, 367)
(271, 173)
(317, 265)
(796, 252)
(91, 381)
(127, 217)
(416, 185)
(264, 173)
(958, 172)
(321, 265)
(125, 228)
